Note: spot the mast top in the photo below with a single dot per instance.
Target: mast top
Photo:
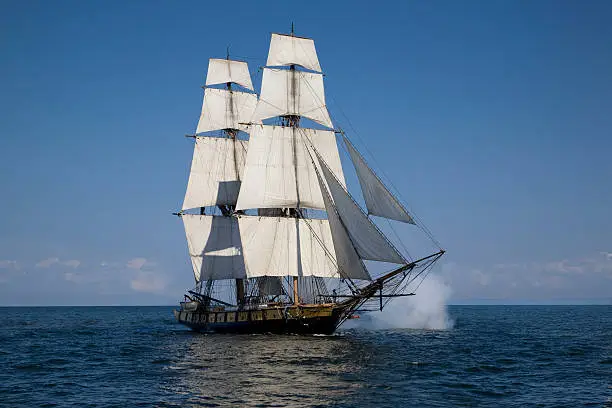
(292, 32)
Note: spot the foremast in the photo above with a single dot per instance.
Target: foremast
(217, 164)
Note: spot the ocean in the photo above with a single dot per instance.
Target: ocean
(490, 356)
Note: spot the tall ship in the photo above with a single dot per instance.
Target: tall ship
(277, 243)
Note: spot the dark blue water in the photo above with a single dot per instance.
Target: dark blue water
(513, 356)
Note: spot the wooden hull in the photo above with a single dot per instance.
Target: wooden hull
(312, 319)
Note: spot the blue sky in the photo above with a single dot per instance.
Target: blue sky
(492, 118)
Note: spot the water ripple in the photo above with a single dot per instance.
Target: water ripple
(132, 357)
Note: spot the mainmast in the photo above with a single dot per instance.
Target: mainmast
(294, 122)
(279, 178)
(228, 210)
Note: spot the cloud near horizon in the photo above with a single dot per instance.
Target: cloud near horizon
(9, 264)
(149, 282)
(581, 278)
(45, 263)
(139, 263)
(585, 278)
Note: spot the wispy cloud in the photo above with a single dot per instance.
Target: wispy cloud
(73, 263)
(598, 264)
(73, 277)
(9, 264)
(147, 278)
(45, 263)
(131, 278)
(481, 278)
(149, 282)
(138, 263)
(584, 277)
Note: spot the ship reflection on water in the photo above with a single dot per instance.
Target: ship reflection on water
(255, 371)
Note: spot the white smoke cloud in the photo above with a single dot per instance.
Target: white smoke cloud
(426, 310)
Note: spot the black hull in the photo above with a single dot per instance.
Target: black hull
(289, 325)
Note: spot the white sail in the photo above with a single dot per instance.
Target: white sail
(348, 261)
(288, 50)
(271, 247)
(279, 171)
(225, 109)
(214, 247)
(216, 168)
(221, 71)
(288, 92)
(366, 238)
(379, 200)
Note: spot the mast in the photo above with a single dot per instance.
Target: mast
(294, 121)
(279, 179)
(231, 133)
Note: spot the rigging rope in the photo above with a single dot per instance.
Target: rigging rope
(420, 223)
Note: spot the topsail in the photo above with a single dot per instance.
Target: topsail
(292, 50)
(222, 71)
(226, 109)
(216, 169)
(278, 170)
(291, 92)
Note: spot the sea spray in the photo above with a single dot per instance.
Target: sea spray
(426, 310)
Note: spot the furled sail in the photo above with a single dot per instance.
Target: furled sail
(290, 92)
(349, 263)
(214, 247)
(289, 50)
(271, 247)
(279, 171)
(369, 242)
(221, 71)
(216, 170)
(379, 200)
(226, 109)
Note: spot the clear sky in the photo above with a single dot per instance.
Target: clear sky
(492, 117)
